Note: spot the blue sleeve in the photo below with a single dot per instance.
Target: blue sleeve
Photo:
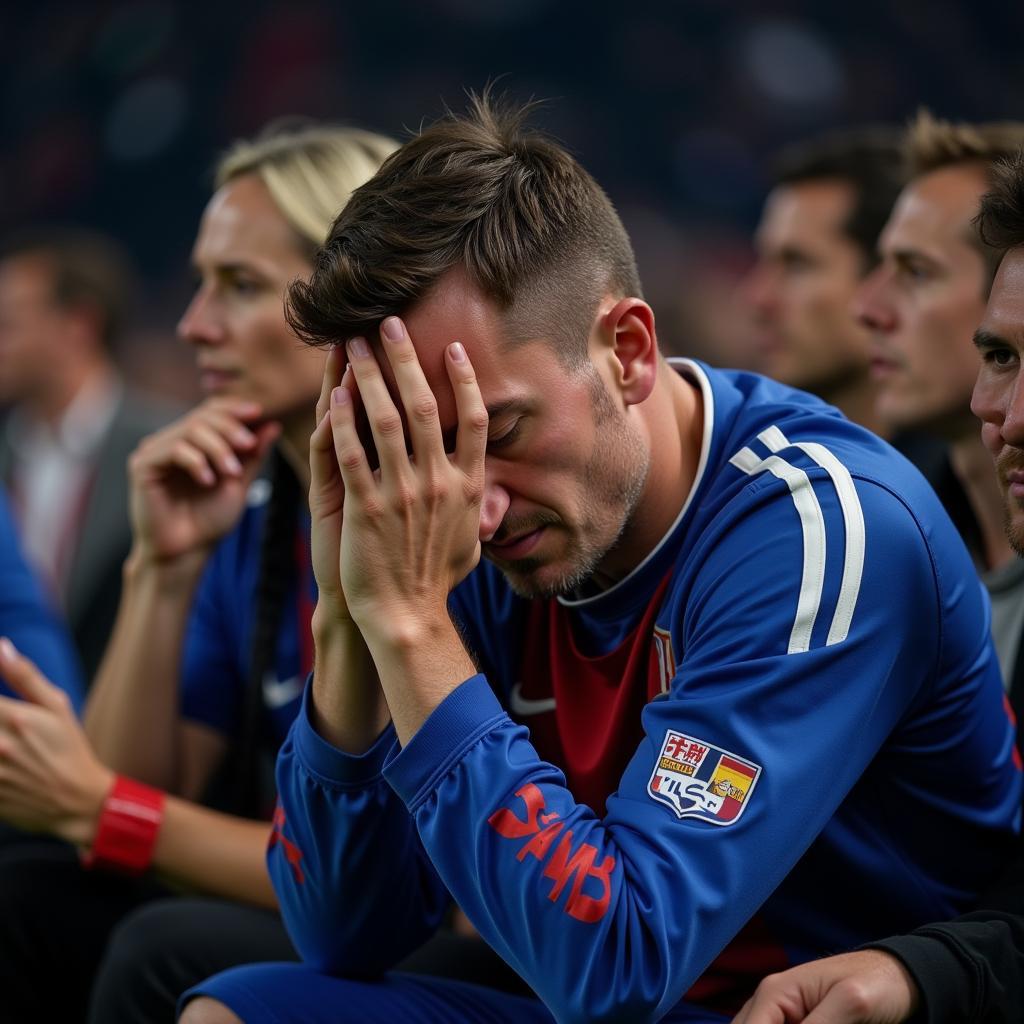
(28, 619)
(356, 888)
(614, 918)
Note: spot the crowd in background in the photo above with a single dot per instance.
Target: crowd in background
(112, 114)
(687, 117)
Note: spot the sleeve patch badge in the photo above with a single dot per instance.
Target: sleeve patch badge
(698, 780)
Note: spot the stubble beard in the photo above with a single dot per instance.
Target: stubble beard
(612, 484)
(1014, 531)
(1008, 460)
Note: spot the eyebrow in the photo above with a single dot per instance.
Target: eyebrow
(906, 254)
(232, 267)
(986, 339)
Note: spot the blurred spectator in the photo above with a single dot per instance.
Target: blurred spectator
(72, 423)
(205, 669)
(922, 305)
(971, 968)
(816, 241)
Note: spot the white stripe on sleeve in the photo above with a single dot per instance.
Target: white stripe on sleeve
(853, 519)
(812, 523)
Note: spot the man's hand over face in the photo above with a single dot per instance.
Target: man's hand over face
(411, 528)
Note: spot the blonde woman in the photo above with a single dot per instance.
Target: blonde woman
(204, 670)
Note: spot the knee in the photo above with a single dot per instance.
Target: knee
(204, 1010)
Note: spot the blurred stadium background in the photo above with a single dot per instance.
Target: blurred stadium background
(112, 112)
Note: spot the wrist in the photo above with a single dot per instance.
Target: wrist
(331, 623)
(126, 829)
(407, 633)
(170, 573)
(80, 827)
(420, 661)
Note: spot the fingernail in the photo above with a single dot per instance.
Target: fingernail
(457, 352)
(358, 348)
(7, 650)
(340, 396)
(391, 328)
(233, 464)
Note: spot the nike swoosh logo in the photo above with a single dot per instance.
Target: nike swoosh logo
(521, 705)
(279, 692)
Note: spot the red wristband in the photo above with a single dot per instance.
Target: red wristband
(127, 829)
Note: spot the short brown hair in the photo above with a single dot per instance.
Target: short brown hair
(869, 159)
(89, 270)
(1001, 218)
(933, 143)
(530, 227)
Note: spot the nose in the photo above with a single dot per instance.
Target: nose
(492, 510)
(999, 404)
(870, 307)
(199, 323)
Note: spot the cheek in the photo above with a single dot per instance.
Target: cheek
(991, 438)
(277, 353)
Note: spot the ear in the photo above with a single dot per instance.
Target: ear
(627, 328)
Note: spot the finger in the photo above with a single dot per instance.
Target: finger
(334, 368)
(324, 475)
(837, 1008)
(355, 470)
(187, 457)
(759, 1010)
(27, 681)
(384, 418)
(218, 452)
(743, 1017)
(240, 435)
(323, 459)
(418, 399)
(471, 435)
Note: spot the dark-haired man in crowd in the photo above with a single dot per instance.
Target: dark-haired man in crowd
(742, 632)
(970, 969)
(817, 239)
(921, 305)
(71, 423)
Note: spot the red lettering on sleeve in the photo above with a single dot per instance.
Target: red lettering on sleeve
(539, 845)
(505, 822)
(563, 865)
(291, 852)
(580, 866)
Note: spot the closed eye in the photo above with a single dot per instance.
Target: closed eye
(507, 438)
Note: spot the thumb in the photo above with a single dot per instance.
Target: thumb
(27, 681)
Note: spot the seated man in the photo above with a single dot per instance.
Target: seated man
(970, 969)
(752, 652)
